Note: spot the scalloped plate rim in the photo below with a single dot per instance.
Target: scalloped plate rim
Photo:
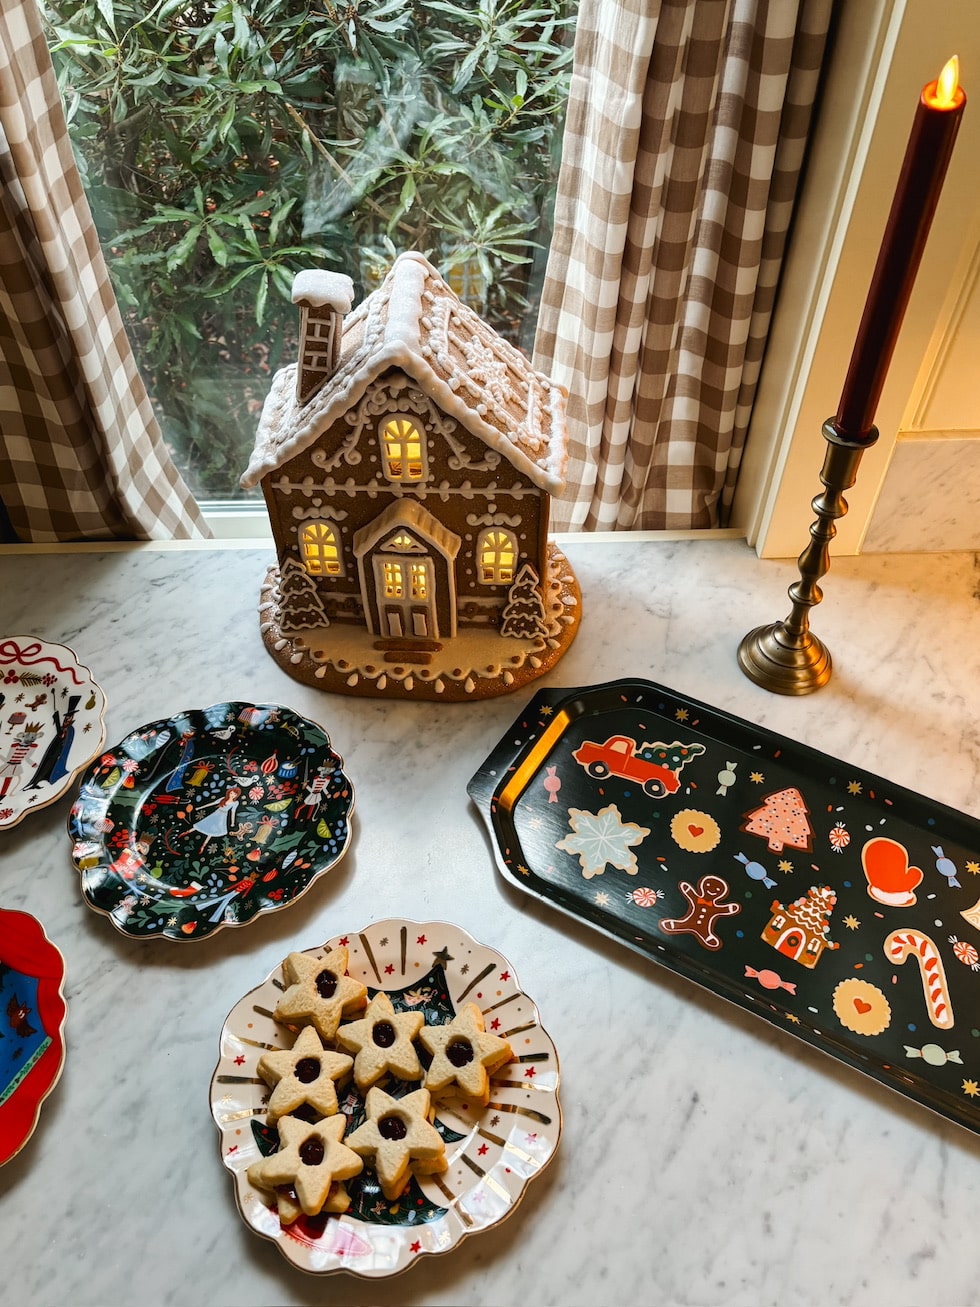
(281, 1238)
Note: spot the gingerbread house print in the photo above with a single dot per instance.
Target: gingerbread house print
(800, 931)
(408, 461)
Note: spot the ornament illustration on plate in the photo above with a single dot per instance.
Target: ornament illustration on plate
(51, 723)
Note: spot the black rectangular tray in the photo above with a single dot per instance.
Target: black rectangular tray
(828, 901)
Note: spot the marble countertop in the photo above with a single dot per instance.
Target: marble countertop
(707, 1157)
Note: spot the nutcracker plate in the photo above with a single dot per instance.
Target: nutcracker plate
(822, 898)
(52, 723)
(209, 818)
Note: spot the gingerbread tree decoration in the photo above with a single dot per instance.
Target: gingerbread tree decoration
(782, 820)
(299, 603)
(523, 617)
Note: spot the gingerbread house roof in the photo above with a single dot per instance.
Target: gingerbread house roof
(415, 322)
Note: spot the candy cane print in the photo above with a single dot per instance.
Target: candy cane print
(902, 944)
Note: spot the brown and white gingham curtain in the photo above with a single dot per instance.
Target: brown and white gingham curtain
(81, 454)
(684, 138)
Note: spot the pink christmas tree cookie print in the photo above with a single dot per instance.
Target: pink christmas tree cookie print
(601, 839)
(783, 820)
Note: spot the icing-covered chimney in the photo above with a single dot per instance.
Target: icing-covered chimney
(324, 298)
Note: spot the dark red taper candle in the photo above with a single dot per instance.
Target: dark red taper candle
(934, 128)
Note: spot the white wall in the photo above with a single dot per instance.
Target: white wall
(884, 51)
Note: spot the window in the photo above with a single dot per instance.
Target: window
(420, 581)
(401, 450)
(320, 549)
(497, 552)
(394, 579)
(266, 139)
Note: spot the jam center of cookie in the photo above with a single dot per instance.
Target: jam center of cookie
(311, 1152)
(307, 1070)
(459, 1052)
(383, 1034)
(392, 1127)
(326, 984)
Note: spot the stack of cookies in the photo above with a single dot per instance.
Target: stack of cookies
(341, 1036)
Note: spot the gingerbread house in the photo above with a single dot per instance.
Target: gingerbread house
(800, 931)
(408, 461)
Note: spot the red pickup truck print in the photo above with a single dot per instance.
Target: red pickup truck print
(655, 767)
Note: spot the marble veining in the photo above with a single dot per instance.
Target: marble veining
(707, 1158)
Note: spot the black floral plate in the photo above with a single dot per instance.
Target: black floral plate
(209, 818)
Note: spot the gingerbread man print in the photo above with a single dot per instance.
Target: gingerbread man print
(705, 907)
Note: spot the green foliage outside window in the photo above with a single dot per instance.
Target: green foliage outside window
(227, 144)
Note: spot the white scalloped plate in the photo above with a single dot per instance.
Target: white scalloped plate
(51, 723)
(499, 1150)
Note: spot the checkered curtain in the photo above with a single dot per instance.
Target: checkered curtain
(684, 138)
(81, 455)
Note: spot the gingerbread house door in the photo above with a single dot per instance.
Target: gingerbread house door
(406, 563)
(406, 589)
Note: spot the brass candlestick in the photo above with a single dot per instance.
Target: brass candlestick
(786, 657)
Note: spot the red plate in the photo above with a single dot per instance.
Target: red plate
(32, 1052)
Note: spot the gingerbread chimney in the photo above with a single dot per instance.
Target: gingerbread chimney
(323, 298)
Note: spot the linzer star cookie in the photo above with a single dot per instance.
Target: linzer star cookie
(289, 1210)
(464, 1055)
(319, 993)
(382, 1040)
(398, 1135)
(305, 1073)
(310, 1158)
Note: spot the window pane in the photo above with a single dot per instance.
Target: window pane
(226, 147)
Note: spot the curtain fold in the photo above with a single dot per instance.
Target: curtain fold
(81, 454)
(686, 128)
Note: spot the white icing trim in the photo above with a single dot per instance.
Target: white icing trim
(318, 288)
(413, 321)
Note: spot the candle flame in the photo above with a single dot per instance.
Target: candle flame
(945, 92)
(947, 84)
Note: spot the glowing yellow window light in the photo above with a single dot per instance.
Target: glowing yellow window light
(321, 552)
(394, 579)
(420, 581)
(402, 449)
(498, 553)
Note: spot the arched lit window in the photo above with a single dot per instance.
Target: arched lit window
(497, 554)
(320, 549)
(402, 450)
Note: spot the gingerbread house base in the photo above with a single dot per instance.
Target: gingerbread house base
(477, 663)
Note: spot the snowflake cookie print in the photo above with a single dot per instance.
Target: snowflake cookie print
(601, 839)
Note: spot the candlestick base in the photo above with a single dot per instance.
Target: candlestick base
(786, 657)
(783, 662)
